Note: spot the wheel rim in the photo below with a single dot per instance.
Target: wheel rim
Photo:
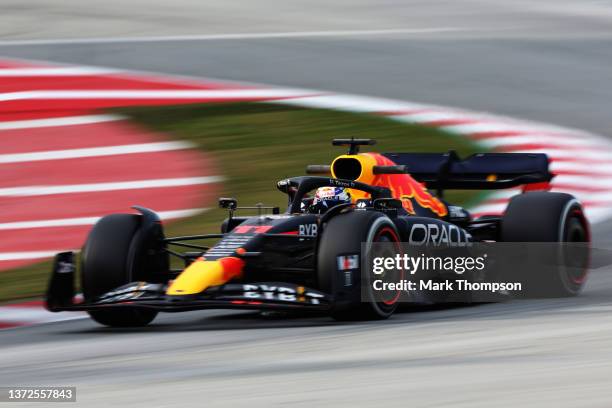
(388, 235)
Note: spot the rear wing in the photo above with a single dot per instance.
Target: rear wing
(479, 171)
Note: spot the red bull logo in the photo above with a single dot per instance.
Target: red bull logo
(402, 186)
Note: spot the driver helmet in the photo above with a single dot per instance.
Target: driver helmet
(328, 197)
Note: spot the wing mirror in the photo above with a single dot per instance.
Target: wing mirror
(228, 203)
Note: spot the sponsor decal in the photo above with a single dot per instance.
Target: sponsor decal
(457, 212)
(307, 229)
(439, 234)
(65, 267)
(348, 278)
(404, 187)
(362, 204)
(133, 291)
(280, 293)
(227, 246)
(341, 183)
(348, 262)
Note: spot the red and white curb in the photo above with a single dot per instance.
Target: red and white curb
(65, 163)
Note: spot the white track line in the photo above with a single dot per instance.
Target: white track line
(569, 153)
(585, 166)
(433, 116)
(33, 315)
(354, 103)
(58, 71)
(152, 94)
(93, 152)
(62, 121)
(601, 196)
(594, 214)
(80, 221)
(16, 256)
(29, 191)
(543, 139)
(497, 126)
(603, 182)
(240, 36)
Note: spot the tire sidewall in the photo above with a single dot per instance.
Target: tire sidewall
(106, 254)
(343, 235)
(107, 262)
(547, 217)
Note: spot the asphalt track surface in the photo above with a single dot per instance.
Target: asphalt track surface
(542, 60)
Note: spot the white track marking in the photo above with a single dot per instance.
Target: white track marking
(433, 116)
(570, 153)
(500, 125)
(602, 182)
(15, 314)
(71, 222)
(152, 94)
(597, 214)
(29, 191)
(16, 256)
(61, 121)
(585, 166)
(594, 214)
(542, 139)
(93, 152)
(600, 196)
(354, 103)
(59, 71)
(34, 315)
(241, 36)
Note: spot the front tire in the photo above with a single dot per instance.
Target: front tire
(106, 264)
(342, 236)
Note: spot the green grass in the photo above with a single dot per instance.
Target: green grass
(255, 145)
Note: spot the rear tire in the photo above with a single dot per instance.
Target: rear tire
(551, 217)
(105, 265)
(343, 235)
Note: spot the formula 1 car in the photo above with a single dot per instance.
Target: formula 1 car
(310, 260)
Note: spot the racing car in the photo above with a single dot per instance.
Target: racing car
(308, 257)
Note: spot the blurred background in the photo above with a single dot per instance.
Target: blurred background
(109, 104)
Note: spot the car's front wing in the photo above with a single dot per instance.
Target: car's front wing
(256, 295)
